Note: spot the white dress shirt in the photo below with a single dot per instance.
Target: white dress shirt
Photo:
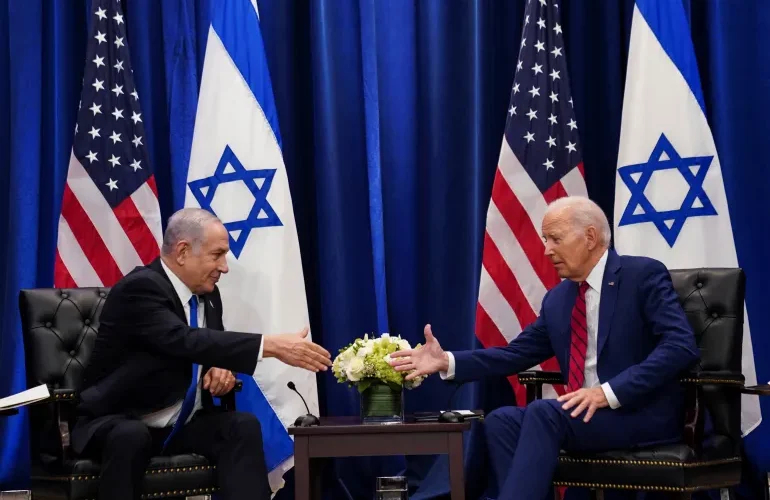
(593, 297)
(168, 416)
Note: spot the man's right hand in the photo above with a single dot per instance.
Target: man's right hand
(425, 360)
(296, 350)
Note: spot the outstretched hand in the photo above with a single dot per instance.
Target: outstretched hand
(425, 360)
(296, 349)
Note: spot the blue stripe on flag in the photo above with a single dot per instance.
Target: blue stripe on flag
(277, 443)
(237, 25)
(668, 22)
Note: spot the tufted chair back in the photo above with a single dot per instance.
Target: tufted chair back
(713, 300)
(59, 327)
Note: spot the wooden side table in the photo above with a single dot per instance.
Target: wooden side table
(348, 437)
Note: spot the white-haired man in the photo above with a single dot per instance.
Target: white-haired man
(621, 337)
(141, 395)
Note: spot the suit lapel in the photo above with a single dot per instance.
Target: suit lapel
(609, 296)
(211, 313)
(156, 266)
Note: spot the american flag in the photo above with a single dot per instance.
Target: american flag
(540, 161)
(110, 218)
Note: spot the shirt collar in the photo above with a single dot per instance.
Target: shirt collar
(596, 276)
(182, 291)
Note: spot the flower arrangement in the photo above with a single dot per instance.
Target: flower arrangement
(366, 362)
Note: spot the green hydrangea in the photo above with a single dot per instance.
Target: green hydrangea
(365, 361)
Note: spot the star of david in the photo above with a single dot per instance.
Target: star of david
(695, 204)
(204, 190)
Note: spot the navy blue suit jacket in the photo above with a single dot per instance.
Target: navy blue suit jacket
(644, 340)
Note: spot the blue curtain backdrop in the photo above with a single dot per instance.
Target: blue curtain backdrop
(392, 116)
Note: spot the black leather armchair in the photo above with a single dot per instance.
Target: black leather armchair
(59, 327)
(713, 301)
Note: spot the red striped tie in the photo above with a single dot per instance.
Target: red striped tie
(577, 352)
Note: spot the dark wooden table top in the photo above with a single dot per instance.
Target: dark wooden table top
(353, 425)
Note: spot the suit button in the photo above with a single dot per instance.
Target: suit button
(699, 285)
(73, 353)
(87, 321)
(48, 324)
(714, 315)
(64, 295)
(102, 294)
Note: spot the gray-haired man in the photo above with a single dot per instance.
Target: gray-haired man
(140, 396)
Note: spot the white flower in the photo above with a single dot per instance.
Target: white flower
(403, 344)
(364, 351)
(355, 369)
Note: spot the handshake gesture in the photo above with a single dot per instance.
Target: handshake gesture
(296, 349)
(428, 359)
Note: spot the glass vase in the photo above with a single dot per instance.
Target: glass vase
(382, 404)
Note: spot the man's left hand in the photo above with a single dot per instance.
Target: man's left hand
(218, 381)
(591, 399)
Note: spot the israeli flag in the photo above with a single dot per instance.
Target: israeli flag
(237, 172)
(670, 201)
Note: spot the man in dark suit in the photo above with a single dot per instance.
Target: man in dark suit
(159, 357)
(621, 338)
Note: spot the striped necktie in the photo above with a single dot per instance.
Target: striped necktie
(579, 343)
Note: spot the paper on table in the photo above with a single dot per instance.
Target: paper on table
(464, 413)
(29, 396)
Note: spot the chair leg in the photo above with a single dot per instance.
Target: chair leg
(596, 494)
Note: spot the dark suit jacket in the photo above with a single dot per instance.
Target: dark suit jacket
(644, 340)
(144, 351)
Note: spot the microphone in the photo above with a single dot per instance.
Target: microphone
(303, 420)
(452, 416)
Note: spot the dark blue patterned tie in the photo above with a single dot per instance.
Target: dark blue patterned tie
(189, 399)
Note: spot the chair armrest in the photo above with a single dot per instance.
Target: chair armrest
(64, 401)
(714, 378)
(759, 390)
(227, 401)
(64, 395)
(534, 380)
(540, 377)
(694, 382)
(58, 396)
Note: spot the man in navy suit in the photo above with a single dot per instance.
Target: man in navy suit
(621, 338)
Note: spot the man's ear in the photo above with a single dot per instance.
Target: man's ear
(182, 252)
(592, 236)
